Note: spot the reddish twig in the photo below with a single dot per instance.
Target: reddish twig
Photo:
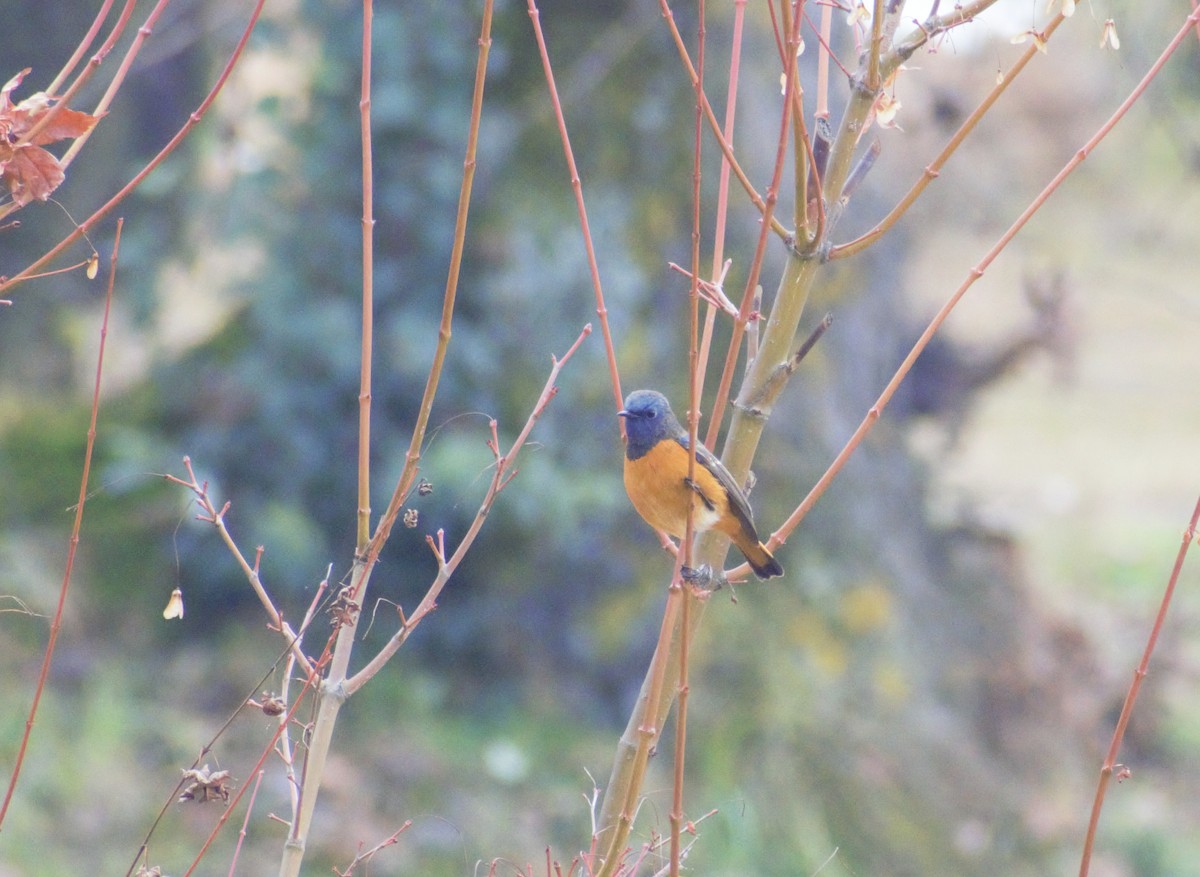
(368, 283)
(62, 101)
(172, 798)
(715, 127)
(237, 850)
(678, 593)
(720, 265)
(933, 169)
(1110, 760)
(577, 187)
(412, 458)
(975, 273)
(114, 85)
(501, 475)
(212, 515)
(823, 57)
(760, 251)
(84, 227)
(85, 43)
(366, 856)
(236, 797)
(335, 689)
(73, 541)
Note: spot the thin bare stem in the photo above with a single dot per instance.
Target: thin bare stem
(236, 797)
(645, 733)
(114, 85)
(975, 273)
(368, 285)
(934, 25)
(681, 715)
(212, 515)
(934, 168)
(73, 542)
(795, 95)
(823, 55)
(310, 681)
(286, 753)
(1110, 760)
(876, 48)
(715, 127)
(413, 457)
(577, 187)
(719, 267)
(367, 855)
(84, 227)
(695, 391)
(501, 476)
(746, 310)
(84, 44)
(64, 99)
(237, 850)
(334, 690)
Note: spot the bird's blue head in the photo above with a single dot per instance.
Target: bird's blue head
(648, 420)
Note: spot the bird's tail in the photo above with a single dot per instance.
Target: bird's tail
(765, 566)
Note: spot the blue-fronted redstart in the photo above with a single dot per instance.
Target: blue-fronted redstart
(656, 479)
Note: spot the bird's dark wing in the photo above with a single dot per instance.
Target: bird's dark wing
(738, 504)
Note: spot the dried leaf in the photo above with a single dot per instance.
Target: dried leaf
(66, 123)
(10, 86)
(30, 173)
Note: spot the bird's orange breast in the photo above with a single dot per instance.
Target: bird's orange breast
(657, 486)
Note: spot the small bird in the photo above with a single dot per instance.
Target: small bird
(656, 479)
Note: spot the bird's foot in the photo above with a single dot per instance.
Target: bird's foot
(702, 581)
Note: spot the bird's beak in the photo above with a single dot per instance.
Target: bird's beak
(622, 413)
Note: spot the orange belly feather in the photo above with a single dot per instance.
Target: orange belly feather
(656, 487)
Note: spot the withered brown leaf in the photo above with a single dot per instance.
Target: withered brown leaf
(29, 171)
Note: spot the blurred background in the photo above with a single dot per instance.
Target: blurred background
(931, 688)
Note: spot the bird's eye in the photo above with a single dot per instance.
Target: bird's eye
(652, 414)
